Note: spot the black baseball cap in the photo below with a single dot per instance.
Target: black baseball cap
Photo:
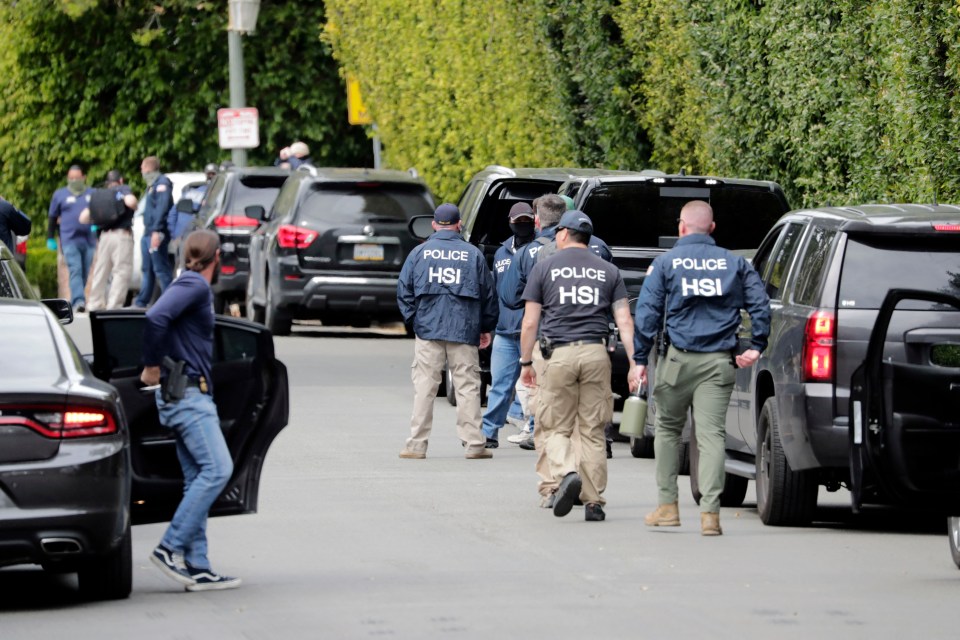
(576, 221)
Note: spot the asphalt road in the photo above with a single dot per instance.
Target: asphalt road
(352, 542)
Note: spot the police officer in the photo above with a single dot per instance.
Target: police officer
(446, 295)
(504, 370)
(569, 296)
(181, 326)
(13, 223)
(114, 261)
(77, 240)
(156, 237)
(701, 288)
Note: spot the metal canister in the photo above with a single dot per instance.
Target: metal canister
(634, 417)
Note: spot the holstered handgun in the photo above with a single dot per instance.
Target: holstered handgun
(613, 337)
(175, 386)
(546, 347)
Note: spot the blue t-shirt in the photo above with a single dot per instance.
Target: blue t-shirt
(67, 207)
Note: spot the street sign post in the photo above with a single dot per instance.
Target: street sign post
(238, 128)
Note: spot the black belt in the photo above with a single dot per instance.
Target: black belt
(577, 343)
(726, 351)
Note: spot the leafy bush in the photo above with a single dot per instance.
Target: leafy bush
(42, 267)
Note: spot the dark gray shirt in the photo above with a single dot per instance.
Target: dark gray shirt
(575, 288)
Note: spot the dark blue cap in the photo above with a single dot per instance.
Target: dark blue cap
(576, 221)
(446, 214)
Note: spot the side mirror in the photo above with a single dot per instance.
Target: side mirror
(421, 227)
(185, 205)
(255, 211)
(61, 308)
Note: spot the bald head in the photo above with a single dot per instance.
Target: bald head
(696, 217)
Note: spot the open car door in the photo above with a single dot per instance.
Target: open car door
(905, 414)
(250, 391)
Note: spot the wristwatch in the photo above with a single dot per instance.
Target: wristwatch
(525, 363)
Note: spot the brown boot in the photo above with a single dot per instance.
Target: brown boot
(665, 515)
(710, 524)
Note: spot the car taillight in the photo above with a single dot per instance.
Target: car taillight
(21, 248)
(228, 269)
(228, 222)
(819, 347)
(950, 227)
(293, 237)
(72, 422)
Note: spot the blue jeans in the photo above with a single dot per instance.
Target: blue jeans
(504, 372)
(78, 257)
(206, 465)
(154, 265)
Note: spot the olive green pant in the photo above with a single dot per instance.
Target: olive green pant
(704, 380)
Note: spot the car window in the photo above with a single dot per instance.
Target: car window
(26, 340)
(7, 288)
(782, 257)
(493, 225)
(214, 198)
(286, 198)
(872, 266)
(813, 265)
(234, 343)
(640, 214)
(254, 190)
(364, 202)
(761, 258)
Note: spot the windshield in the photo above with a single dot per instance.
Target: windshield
(873, 266)
(254, 190)
(365, 202)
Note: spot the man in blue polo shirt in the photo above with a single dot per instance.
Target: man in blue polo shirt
(77, 240)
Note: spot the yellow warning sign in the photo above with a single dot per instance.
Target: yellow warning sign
(356, 111)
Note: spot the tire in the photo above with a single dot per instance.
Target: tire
(734, 487)
(784, 497)
(253, 312)
(953, 532)
(684, 458)
(448, 385)
(108, 577)
(641, 447)
(275, 319)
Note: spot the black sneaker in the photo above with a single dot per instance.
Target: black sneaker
(609, 449)
(594, 513)
(210, 580)
(567, 494)
(491, 444)
(171, 564)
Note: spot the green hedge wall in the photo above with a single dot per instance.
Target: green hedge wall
(105, 83)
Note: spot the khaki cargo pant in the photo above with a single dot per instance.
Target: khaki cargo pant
(113, 263)
(574, 398)
(463, 360)
(706, 381)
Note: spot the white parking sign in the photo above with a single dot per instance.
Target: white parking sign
(239, 128)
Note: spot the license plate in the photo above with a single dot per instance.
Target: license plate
(370, 252)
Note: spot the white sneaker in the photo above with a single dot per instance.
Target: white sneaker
(520, 437)
(519, 423)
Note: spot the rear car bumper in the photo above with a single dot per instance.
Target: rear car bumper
(374, 295)
(812, 436)
(68, 508)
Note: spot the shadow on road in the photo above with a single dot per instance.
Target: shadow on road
(31, 589)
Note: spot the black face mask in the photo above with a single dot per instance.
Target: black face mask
(523, 230)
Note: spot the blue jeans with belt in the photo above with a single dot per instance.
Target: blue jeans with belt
(207, 466)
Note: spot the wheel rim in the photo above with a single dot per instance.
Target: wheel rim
(954, 533)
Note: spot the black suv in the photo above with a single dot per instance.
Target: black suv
(637, 216)
(332, 246)
(827, 272)
(224, 210)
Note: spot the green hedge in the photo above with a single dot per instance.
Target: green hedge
(105, 83)
(42, 267)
